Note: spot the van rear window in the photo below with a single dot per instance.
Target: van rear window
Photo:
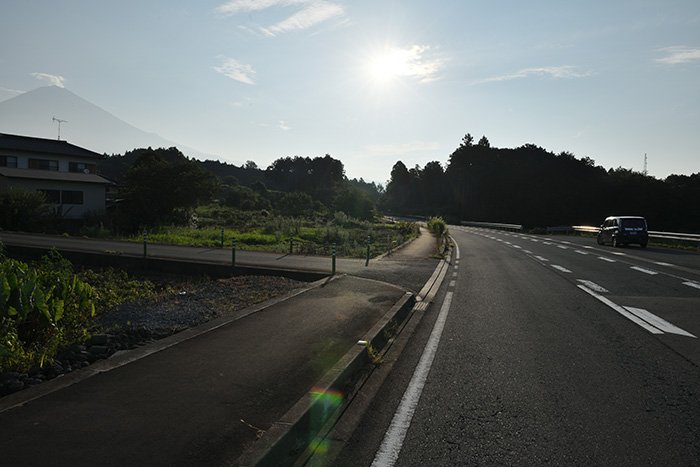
(633, 223)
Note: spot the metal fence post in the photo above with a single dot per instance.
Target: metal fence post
(333, 260)
(369, 241)
(291, 245)
(145, 243)
(222, 237)
(233, 253)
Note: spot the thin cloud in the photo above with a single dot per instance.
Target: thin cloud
(677, 55)
(555, 72)
(311, 12)
(282, 125)
(13, 91)
(53, 80)
(236, 70)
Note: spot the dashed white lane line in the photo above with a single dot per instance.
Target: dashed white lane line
(593, 286)
(609, 260)
(661, 263)
(563, 247)
(456, 267)
(645, 271)
(692, 284)
(390, 448)
(454, 274)
(527, 251)
(546, 243)
(560, 268)
(617, 253)
(452, 283)
(517, 246)
(566, 243)
(542, 258)
(588, 247)
(581, 252)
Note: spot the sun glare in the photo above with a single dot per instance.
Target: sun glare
(386, 65)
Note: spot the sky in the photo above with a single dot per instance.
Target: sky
(371, 82)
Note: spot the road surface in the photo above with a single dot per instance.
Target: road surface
(545, 350)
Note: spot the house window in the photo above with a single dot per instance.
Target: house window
(43, 164)
(71, 197)
(52, 196)
(8, 161)
(81, 167)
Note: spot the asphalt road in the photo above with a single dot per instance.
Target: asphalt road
(531, 365)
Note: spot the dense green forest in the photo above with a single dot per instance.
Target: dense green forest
(537, 188)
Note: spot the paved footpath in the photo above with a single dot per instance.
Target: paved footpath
(204, 400)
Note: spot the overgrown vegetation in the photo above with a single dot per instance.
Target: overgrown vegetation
(438, 227)
(47, 306)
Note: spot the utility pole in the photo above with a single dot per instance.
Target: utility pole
(59, 125)
(645, 164)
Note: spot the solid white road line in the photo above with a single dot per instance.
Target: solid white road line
(657, 322)
(645, 271)
(456, 250)
(560, 268)
(622, 311)
(593, 286)
(692, 284)
(388, 452)
(541, 258)
(609, 260)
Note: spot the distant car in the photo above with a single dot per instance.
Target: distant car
(624, 230)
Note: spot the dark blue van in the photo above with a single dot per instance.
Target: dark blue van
(623, 230)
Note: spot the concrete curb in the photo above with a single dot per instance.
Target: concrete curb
(123, 358)
(300, 430)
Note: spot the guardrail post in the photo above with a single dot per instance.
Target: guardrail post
(145, 243)
(333, 260)
(369, 242)
(291, 245)
(233, 253)
(222, 237)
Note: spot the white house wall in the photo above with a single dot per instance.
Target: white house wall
(93, 194)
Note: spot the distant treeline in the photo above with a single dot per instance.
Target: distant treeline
(537, 188)
(162, 186)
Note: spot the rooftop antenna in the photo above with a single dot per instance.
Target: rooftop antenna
(59, 125)
(645, 164)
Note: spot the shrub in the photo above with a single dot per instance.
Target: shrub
(41, 309)
(23, 210)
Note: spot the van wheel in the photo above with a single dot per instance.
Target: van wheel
(615, 244)
(599, 240)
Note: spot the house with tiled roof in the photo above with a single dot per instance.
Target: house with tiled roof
(65, 173)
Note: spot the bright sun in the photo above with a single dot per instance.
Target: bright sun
(387, 64)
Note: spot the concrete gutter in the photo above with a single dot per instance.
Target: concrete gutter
(301, 432)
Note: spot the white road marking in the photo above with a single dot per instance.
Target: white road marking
(517, 246)
(609, 260)
(547, 238)
(560, 268)
(456, 251)
(661, 263)
(452, 283)
(622, 311)
(593, 286)
(534, 240)
(527, 251)
(541, 258)
(588, 247)
(581, 252)
(508, 243)
(657, 322)
(692, 284)
(456, 267)
(454, 274)
(645, 271)
(617, 253)
(547, 243)
(565, 242)
(563, 247)
(388, 452)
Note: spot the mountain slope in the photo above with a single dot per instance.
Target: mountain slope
(87, 125)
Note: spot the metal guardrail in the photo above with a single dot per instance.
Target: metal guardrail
(493, 225)
(686, 237)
